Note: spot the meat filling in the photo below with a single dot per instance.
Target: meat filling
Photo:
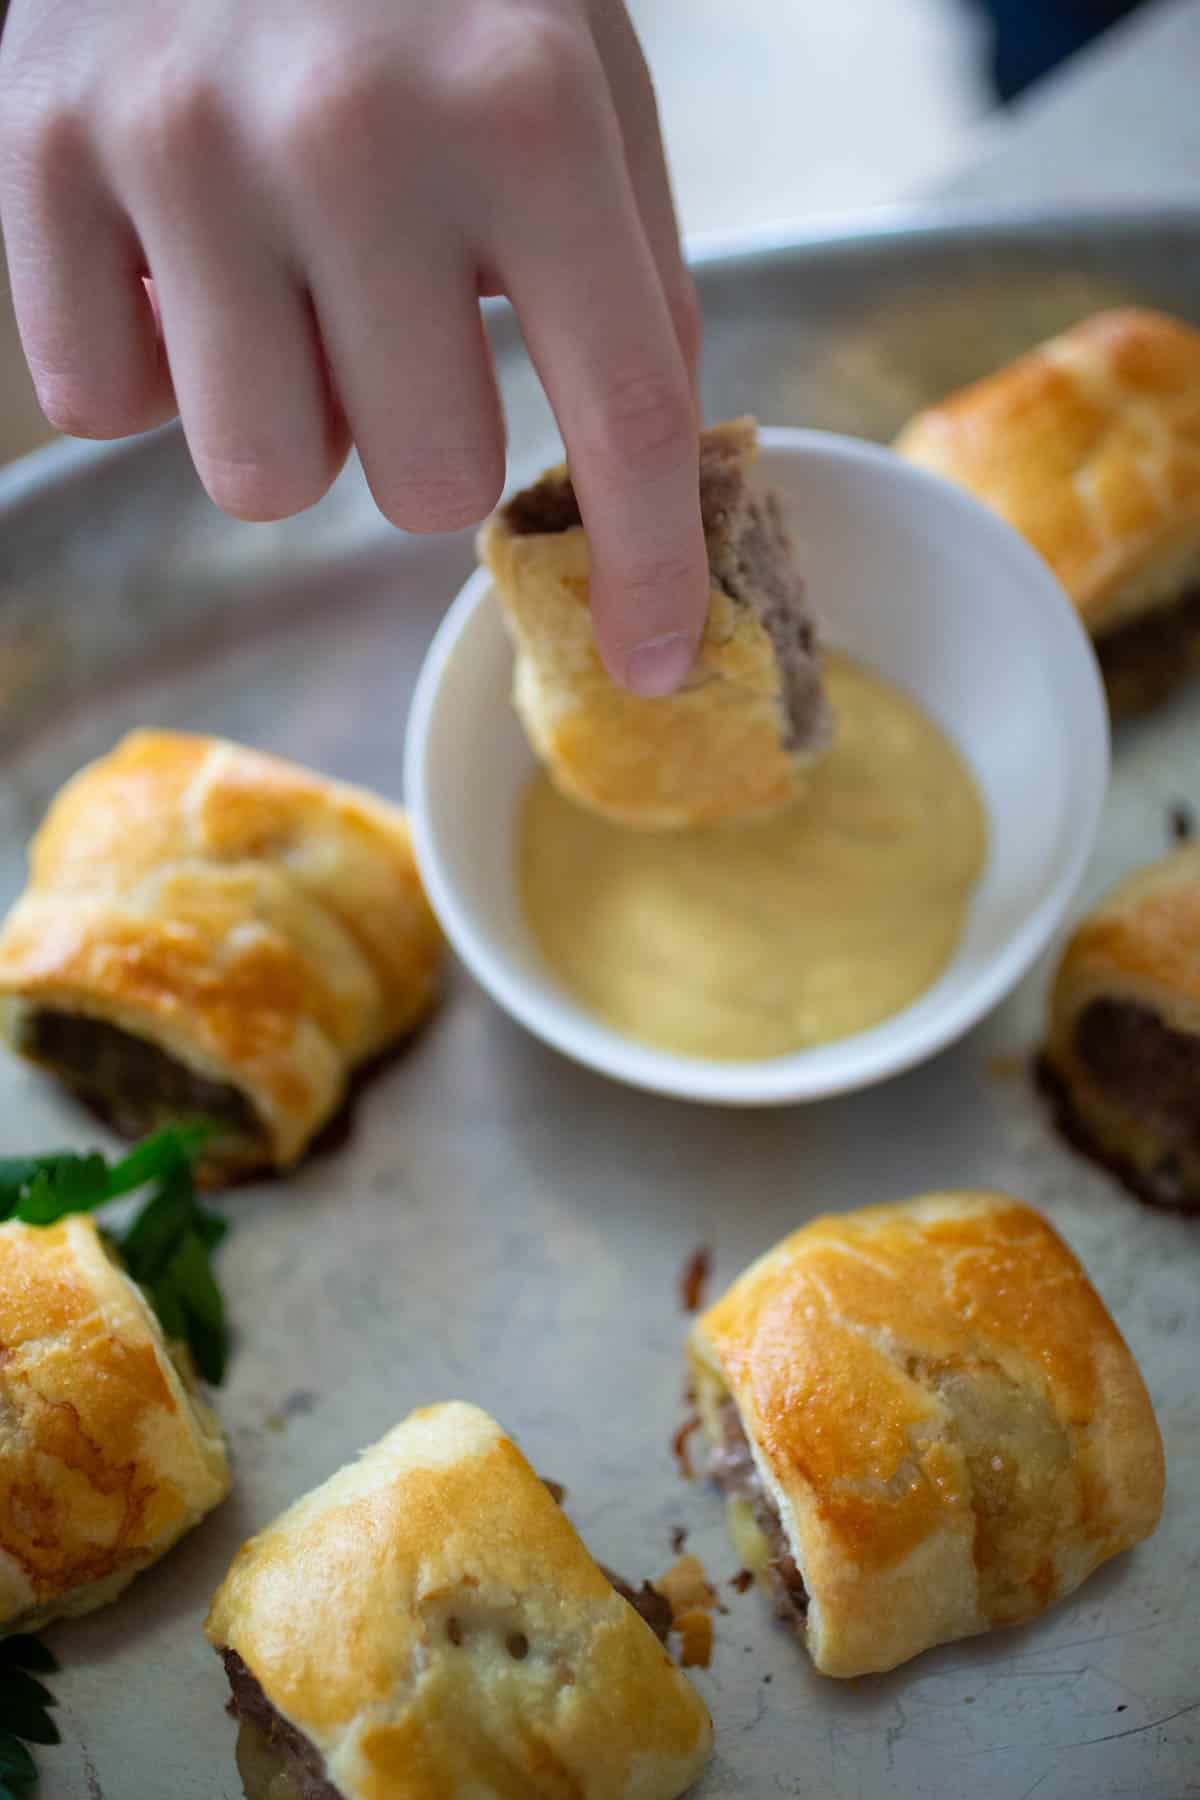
(654, 1607)
(1143, 661)
(1151, 1072)
(131, 1082)
(750, 559)
(733, 1468)
(1154, 1071)
(278, 1742)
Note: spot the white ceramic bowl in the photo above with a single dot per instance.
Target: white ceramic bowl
(910, 576)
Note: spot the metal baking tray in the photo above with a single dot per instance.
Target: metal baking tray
(501, 1225)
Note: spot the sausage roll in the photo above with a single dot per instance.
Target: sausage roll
(428, 1624)
(209, 932)
(926, 1424)
(108, 1454)
(1122, 1058)
(1090, 446)
(738, 737)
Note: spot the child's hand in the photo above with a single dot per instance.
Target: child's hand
(319, 191)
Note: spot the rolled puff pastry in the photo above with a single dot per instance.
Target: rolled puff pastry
(107, 1453)
(740, 735)
(428, 1624)
(1123, 1047)
(261, 927)
(1090, 446)
(942, 1419)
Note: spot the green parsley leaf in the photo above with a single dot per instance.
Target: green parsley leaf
(187, 1289)
(156, 1156)
(151, 1239)
(209, 1227)
(41, 1189)
(15, 1173)
(29, 1689)
(16, 1764)
(22, 1651)
(23, 1708)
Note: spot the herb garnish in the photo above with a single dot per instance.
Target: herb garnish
(167, 1246)
(24, 1715)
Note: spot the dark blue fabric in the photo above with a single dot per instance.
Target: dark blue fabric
(1032, 37)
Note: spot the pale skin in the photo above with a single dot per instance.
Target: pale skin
(276, 218)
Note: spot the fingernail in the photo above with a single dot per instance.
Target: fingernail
(660, 665)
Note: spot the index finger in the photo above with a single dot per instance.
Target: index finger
(579, 270)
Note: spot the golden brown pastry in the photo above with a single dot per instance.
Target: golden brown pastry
(1123, 1049)
(428, 1624)
(1090, 446)
(926, 1423)
(737, 739)
(209, 932)
(107, 1452)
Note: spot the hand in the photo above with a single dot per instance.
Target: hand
(319, 193)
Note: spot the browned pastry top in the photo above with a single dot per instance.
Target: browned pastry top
(106, 1456)
(1090, 446)
(262, 925)
(948, 1419)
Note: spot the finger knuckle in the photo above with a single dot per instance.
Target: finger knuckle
(524, 90)
(440, 490)
(327, 107)
(45, 134)
(177, 118)
(647, 423)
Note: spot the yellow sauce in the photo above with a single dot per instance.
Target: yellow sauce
(756, 939)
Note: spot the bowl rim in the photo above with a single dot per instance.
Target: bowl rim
(802, 1075)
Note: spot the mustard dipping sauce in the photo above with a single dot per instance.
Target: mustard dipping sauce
(756, 939)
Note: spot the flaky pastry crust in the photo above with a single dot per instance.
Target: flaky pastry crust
(263, 926)
(723, 747)
(949, 1425)
(432, 1623)
(1089, 446)
(107, 1452)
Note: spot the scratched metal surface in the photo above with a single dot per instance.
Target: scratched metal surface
(505, 1226)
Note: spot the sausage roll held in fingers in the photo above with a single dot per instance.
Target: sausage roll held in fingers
(737, 739)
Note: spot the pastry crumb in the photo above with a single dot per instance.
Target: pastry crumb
(1182, 822)
(695, 1639)
(694, 1278)
(679, 1446)
(687, 1587)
